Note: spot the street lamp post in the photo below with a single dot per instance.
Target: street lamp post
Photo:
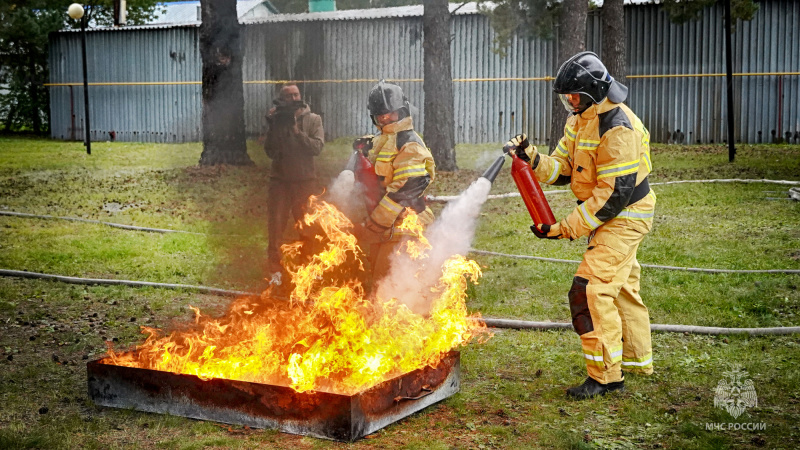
(75, 11)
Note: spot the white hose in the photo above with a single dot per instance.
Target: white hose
(107, 282)
(490, 322)
(472, 250)
(77, 219)
(444, 199)
(527, 325)
(449, 198)
(652, 266)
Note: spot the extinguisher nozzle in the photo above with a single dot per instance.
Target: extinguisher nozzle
(491, 173)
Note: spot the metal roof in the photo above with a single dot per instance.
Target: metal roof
(599, 3)
(188, 12)
(392, 13)
(361, 14)
(184, 14)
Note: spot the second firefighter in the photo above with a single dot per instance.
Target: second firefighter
(605, 158)
(405, 169)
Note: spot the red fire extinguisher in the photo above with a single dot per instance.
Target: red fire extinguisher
(531, 192)
(365, 173)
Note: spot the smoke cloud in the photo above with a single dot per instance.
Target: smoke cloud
(343, 192)
(347, 195)
(451, 234)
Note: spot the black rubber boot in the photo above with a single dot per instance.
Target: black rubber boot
(592, 387)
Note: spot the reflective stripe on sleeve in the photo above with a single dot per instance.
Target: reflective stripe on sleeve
(639, 126)
(386, 156)
(554, 174)
(416, 170)
(588, 144)
(647, 161)
(561, 150)
(570, 133)
(617, 170)
(588, 218)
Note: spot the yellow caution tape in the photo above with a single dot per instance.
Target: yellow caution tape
(419, 80)
(128, 83)
(698, 75)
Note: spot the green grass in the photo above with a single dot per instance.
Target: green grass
(512, 386)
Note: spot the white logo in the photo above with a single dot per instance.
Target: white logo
(735, 392)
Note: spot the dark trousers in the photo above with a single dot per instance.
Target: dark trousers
(287, 199)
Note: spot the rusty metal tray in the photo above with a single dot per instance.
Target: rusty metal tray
(320, 414)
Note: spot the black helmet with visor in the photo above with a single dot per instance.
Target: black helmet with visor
(583, 80)
(385, 98)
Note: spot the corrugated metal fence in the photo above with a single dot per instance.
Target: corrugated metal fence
(148, 92)
(146, 82)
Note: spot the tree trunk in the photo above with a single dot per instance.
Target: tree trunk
(571, 40)
(614, 36)
(438, 84)
(223, 92)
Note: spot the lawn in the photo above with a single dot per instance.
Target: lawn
(512, 386)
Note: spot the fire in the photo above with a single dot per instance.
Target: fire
(330, 336)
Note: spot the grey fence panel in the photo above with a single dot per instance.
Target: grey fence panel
(341, 59)
(697, 105)
(161, 112)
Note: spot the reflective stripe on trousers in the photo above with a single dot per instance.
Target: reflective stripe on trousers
(607, 311)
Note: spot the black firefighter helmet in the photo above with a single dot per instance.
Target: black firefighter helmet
(385, 98)
(583, 80)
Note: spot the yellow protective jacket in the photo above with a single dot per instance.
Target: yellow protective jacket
(605, 157)
(406, 168)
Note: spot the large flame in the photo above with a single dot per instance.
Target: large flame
(329, 336)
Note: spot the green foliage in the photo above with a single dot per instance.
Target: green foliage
(24, 29)
(681, 11)
(529, 18)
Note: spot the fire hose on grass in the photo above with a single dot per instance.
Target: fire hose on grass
(537, 206)
(449, 198)
(489, 321)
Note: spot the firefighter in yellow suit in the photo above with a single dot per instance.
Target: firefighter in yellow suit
(605, 157)
(405, 167)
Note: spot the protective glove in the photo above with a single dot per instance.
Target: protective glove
(369, 232)
(519, 146)
(545, 231)
(363, 144)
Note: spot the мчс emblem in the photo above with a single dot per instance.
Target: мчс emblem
(735, 392)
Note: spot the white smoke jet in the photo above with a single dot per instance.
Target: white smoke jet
(342, 189)
(451, 234)
(346, 194)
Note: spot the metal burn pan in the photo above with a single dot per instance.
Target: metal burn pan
(321, 414)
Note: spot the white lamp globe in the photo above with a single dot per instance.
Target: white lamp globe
(75, 11)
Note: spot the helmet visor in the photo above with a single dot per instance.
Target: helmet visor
(572, 102)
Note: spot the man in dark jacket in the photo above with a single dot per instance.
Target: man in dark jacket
(295, 136)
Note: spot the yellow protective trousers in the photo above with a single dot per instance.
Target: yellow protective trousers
(607, 312)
